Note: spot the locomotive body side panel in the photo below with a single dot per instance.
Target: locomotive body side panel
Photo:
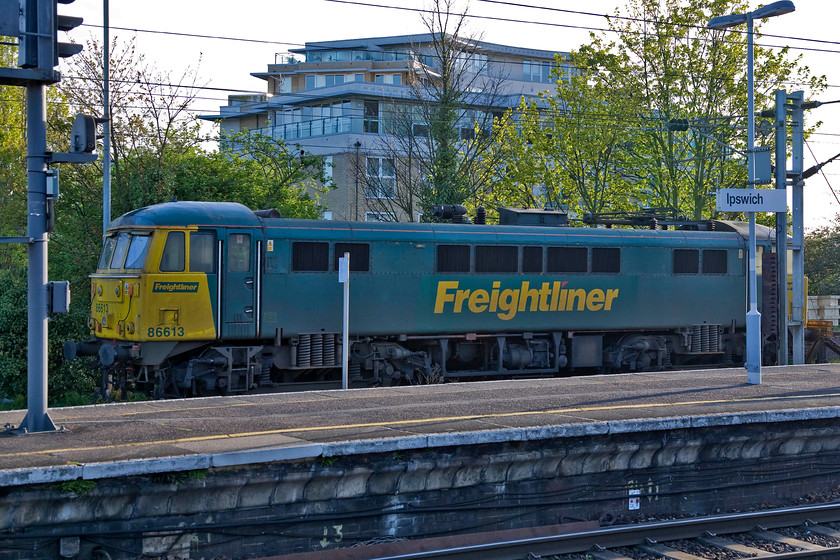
(401, 291)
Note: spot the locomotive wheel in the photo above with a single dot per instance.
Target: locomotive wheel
(165, 386)
(199, 389)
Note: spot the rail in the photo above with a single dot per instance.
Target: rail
(648, 536)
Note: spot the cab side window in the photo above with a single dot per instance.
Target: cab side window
(107, 252)
(120, 250)
(172, 259)
(202, 254)
(239, 252)
(136, 255)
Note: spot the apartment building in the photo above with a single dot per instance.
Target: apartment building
(340, 99)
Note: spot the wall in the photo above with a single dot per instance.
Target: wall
(340, 500)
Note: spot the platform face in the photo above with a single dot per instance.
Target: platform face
(135, 438)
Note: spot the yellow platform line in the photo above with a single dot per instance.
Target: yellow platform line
(393, 423)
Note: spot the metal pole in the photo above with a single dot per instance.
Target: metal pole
(797, 253)
(106, 127)
(37, 419)
(781, 226)
(344, 278)
(358, 170)
(753, 364)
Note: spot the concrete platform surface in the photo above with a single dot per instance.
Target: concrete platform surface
(177, 435)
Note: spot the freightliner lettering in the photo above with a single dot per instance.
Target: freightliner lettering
(548, 297)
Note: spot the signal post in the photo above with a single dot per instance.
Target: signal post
(36, 24)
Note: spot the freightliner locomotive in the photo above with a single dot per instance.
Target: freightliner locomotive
(209, 298)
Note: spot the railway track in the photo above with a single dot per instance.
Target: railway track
(803, 532)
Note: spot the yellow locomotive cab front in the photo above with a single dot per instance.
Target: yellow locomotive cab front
(145, 289)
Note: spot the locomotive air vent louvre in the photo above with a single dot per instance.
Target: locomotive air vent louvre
(705, 338)
(316, 350)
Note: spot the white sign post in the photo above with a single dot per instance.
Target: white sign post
(344, 278)
(752, 200)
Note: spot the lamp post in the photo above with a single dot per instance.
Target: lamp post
(753, 363)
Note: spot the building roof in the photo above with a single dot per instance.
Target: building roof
(379, 43)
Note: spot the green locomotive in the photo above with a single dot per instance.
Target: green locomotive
(205, 297)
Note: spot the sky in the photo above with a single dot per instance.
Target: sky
(242, 37)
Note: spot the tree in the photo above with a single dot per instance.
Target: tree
(12, 166)
(279, 174)
(157, 156)
(565, 149)
(434, 144)
(664, 67)
(13, 263)
(822, 255)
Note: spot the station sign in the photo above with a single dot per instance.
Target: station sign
(752, 200)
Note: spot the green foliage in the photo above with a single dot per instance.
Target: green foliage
(180, 476)
(78, 487)
(275, 174)
(13, 332)
(822, 260)
(433, 156)
(327, 461)
(664, 65)
(565, 149)
(157, 157)
(69, 383)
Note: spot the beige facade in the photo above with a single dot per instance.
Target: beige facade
(342, 99)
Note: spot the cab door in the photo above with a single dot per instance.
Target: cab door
(240, 285)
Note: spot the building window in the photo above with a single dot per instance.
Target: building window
(380, 217)
(334, 79)
(381, 178)
(536, 71)
(395, 79)
(371, 122)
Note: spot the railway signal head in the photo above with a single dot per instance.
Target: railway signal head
(39, 26)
